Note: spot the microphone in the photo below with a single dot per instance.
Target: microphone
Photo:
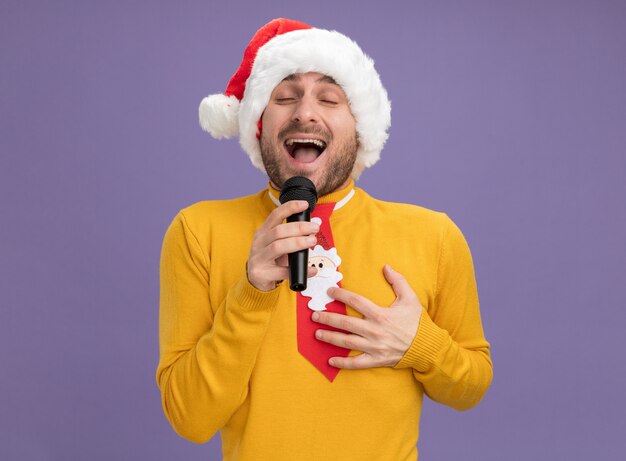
(299, 188)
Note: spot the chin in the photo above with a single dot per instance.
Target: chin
(313, 176)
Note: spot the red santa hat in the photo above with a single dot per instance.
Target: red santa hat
(283, 47)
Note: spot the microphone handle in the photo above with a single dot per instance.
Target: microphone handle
(299, 260)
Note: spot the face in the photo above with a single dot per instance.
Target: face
(325, 266)
(308, 130)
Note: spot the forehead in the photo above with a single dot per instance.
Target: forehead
(313, 76)
(309, 78)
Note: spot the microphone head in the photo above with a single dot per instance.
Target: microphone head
(299, 188)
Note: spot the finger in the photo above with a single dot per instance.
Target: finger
(265, 279)
(357, 362)
(282, 247)
(400, 285)
(287, 230)
(352, 342)
(282, 261)
(343, 322)
(282, 212)
(358, 302)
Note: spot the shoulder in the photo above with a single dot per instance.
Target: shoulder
(406, 214)
(211, 208)
(408, 220)
(203, 217)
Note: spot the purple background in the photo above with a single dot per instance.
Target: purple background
(509, 116)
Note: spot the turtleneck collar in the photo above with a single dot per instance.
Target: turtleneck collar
(340, 197)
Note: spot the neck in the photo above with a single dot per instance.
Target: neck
(345, 184)
(336, 196)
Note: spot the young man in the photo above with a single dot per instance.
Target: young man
(391, 312)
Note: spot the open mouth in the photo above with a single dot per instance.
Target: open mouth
(305, 150)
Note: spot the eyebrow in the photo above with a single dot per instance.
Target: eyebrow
(322, 79)
(327, 79)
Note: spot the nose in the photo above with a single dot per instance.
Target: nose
(305, 111)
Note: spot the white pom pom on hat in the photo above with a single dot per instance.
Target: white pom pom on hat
(283, 47)
(218, 115)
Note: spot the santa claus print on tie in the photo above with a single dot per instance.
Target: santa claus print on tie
(327, 263)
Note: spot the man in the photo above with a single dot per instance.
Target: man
(337, 373)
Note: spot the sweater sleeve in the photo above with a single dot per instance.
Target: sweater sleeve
(449, 354)
(206, 359)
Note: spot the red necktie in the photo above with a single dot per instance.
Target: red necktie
(316, 351)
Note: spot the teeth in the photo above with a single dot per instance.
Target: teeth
(317, 142)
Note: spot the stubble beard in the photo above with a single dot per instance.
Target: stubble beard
(336, 171)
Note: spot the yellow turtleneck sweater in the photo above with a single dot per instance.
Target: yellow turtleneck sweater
(229, 357)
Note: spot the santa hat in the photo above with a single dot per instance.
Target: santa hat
(283, 47)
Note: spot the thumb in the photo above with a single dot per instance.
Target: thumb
(400, 286)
